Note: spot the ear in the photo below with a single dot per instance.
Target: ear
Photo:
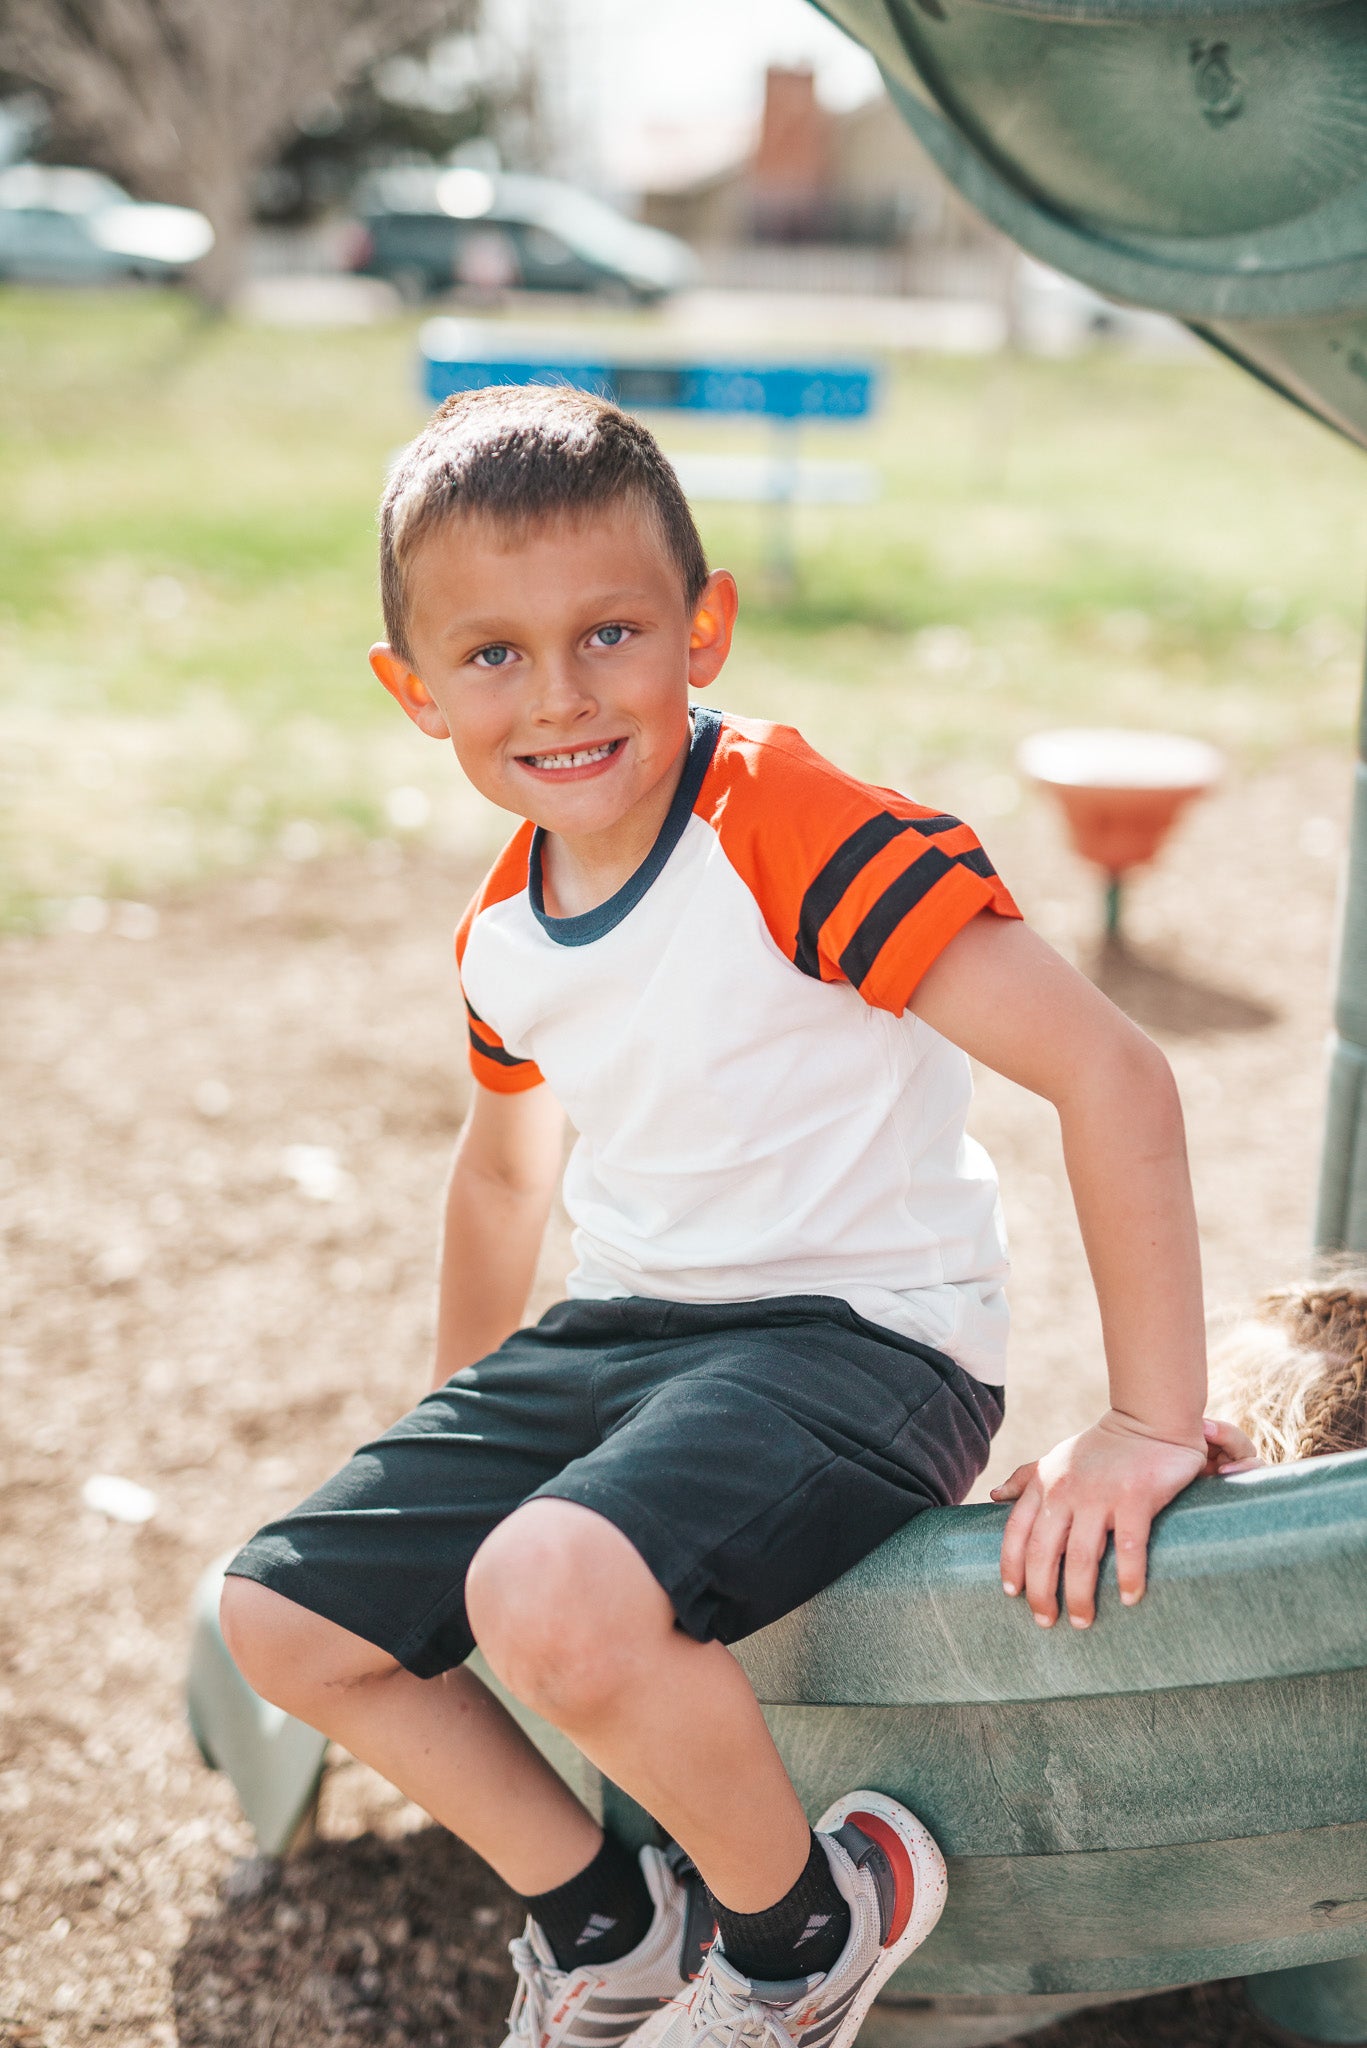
(709, 641)
(408, 690)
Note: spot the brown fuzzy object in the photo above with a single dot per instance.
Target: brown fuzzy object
(1294, 1374)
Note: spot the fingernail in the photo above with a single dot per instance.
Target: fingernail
(1045, 1620)
(1128, 1599)
(1078, 1621)
(1010, 1588)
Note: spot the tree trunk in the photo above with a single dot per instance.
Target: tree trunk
(219, 277)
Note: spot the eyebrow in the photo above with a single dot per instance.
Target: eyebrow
(492, 630)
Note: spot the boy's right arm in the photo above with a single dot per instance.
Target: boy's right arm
(503, 1180)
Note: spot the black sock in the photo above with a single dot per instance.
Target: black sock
(600, 1915)
(802, 1934)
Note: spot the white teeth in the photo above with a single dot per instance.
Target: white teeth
(578, 759)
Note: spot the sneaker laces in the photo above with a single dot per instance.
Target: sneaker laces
(537, 1986)
(726, 2020)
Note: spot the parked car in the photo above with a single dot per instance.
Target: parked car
(426, 229)
(63, 225)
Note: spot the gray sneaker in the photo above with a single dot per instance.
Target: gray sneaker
(893, 1877)
(603, 2006)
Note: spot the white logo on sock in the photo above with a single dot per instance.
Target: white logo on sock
(814, 1926)
(599, 1924)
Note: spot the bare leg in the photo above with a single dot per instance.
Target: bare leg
(573, 1622)
(445, 1742)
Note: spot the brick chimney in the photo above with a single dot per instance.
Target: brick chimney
(792, 171)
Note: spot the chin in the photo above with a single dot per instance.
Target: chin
(580, 821)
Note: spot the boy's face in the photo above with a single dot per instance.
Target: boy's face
(557, 658)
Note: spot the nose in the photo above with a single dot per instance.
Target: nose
(560, 696)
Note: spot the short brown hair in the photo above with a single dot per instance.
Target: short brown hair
(520, 454)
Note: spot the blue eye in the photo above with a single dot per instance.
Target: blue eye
(493, 657)
(611, 636)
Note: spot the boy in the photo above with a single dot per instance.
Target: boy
(752, 983)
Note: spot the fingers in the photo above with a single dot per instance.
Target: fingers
(1016, 1534)
(1132, 1525)
(1043, 1560)
(1081, 1563)
(1041, 1541)
(1076, 1545)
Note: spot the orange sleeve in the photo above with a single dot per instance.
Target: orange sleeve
(491, 1063)
(855, 883)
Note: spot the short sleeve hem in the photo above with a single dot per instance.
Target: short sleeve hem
(958, 897)
(505, 1080)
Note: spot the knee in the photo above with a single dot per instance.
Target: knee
(256, 1625)
(291, 1656)
(565, 1610)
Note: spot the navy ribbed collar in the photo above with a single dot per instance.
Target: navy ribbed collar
(596, 923)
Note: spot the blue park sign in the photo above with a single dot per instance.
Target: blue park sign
(461, 355)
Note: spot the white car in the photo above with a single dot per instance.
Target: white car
(63, 225)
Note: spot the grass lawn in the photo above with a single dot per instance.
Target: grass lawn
(187, 585)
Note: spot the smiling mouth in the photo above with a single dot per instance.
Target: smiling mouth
(572, 757)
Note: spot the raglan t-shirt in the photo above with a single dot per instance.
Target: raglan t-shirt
(758, 1113)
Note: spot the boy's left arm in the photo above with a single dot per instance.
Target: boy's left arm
(1004, 995)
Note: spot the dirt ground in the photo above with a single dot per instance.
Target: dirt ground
(194, 1306)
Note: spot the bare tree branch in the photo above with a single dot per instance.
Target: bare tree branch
(189, 99)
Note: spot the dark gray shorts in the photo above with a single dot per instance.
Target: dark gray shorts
(751, 1453)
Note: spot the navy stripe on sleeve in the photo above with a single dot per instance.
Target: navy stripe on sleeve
(847, 863)
(499, 1054)
(901, 896)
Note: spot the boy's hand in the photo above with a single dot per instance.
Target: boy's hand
(1112, 1479)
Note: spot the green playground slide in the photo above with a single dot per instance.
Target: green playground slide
(1177, 1794)
(1204, 157)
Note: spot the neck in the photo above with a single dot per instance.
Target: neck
(581, 870)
